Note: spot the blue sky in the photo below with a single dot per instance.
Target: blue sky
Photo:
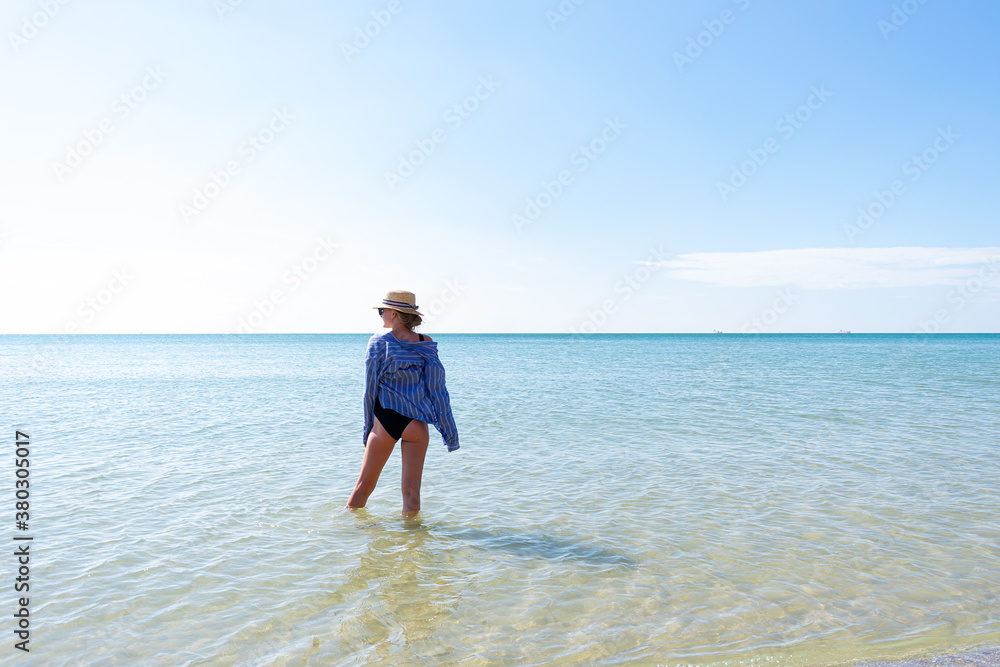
(213, 166)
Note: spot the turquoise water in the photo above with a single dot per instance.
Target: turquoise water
(618, 499)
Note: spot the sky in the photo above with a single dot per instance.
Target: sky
(223, 166)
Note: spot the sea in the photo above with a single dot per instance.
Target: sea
(618, 499)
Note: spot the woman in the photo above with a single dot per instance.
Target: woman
(404, 391)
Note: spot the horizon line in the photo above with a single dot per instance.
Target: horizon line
(535, 333)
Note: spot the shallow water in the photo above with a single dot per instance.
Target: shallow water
(618, 499)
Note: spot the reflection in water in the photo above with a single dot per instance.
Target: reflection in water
(404, 587)
(413, 576)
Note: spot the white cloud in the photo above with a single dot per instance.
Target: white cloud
(837, 268)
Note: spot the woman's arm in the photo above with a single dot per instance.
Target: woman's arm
(373, 366)
(434, 376)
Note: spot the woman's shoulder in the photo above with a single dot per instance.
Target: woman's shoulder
(376, 341)
(427, 339)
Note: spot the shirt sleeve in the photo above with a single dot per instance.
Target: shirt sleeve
(434, 376)
(373, 366)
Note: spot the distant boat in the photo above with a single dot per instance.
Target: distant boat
(716, 331)
(843, 331)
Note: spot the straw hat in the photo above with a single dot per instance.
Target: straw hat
(400, 300)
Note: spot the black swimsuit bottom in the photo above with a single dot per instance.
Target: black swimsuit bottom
(393, 422)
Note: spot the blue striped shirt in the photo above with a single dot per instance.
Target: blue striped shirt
(408, 377)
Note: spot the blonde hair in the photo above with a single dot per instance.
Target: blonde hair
(409, 320)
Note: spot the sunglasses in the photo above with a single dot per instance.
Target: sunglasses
(380, 311)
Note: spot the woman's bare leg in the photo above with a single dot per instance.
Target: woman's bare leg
(377, 450)
(414, 449)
